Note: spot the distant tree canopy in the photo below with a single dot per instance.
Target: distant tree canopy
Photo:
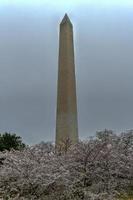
(10, 141)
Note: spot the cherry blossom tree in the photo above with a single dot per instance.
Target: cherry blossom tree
(97, 169)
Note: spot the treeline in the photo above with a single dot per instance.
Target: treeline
(100, 168)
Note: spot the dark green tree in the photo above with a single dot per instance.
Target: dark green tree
(10, 141)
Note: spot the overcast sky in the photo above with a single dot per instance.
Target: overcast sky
(103, 36)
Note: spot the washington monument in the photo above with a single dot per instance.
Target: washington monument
(66, 116)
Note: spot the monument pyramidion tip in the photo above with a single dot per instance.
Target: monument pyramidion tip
(65, 20)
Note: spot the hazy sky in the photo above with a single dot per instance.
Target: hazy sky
(103, 35)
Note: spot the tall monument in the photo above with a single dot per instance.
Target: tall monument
(66, 118)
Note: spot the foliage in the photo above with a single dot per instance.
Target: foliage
(98, 169)
(9, 141)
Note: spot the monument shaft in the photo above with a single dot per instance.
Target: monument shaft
(66, 119)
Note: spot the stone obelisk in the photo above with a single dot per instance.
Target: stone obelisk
(66, 118)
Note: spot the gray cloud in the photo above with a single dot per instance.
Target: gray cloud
(29, 64)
